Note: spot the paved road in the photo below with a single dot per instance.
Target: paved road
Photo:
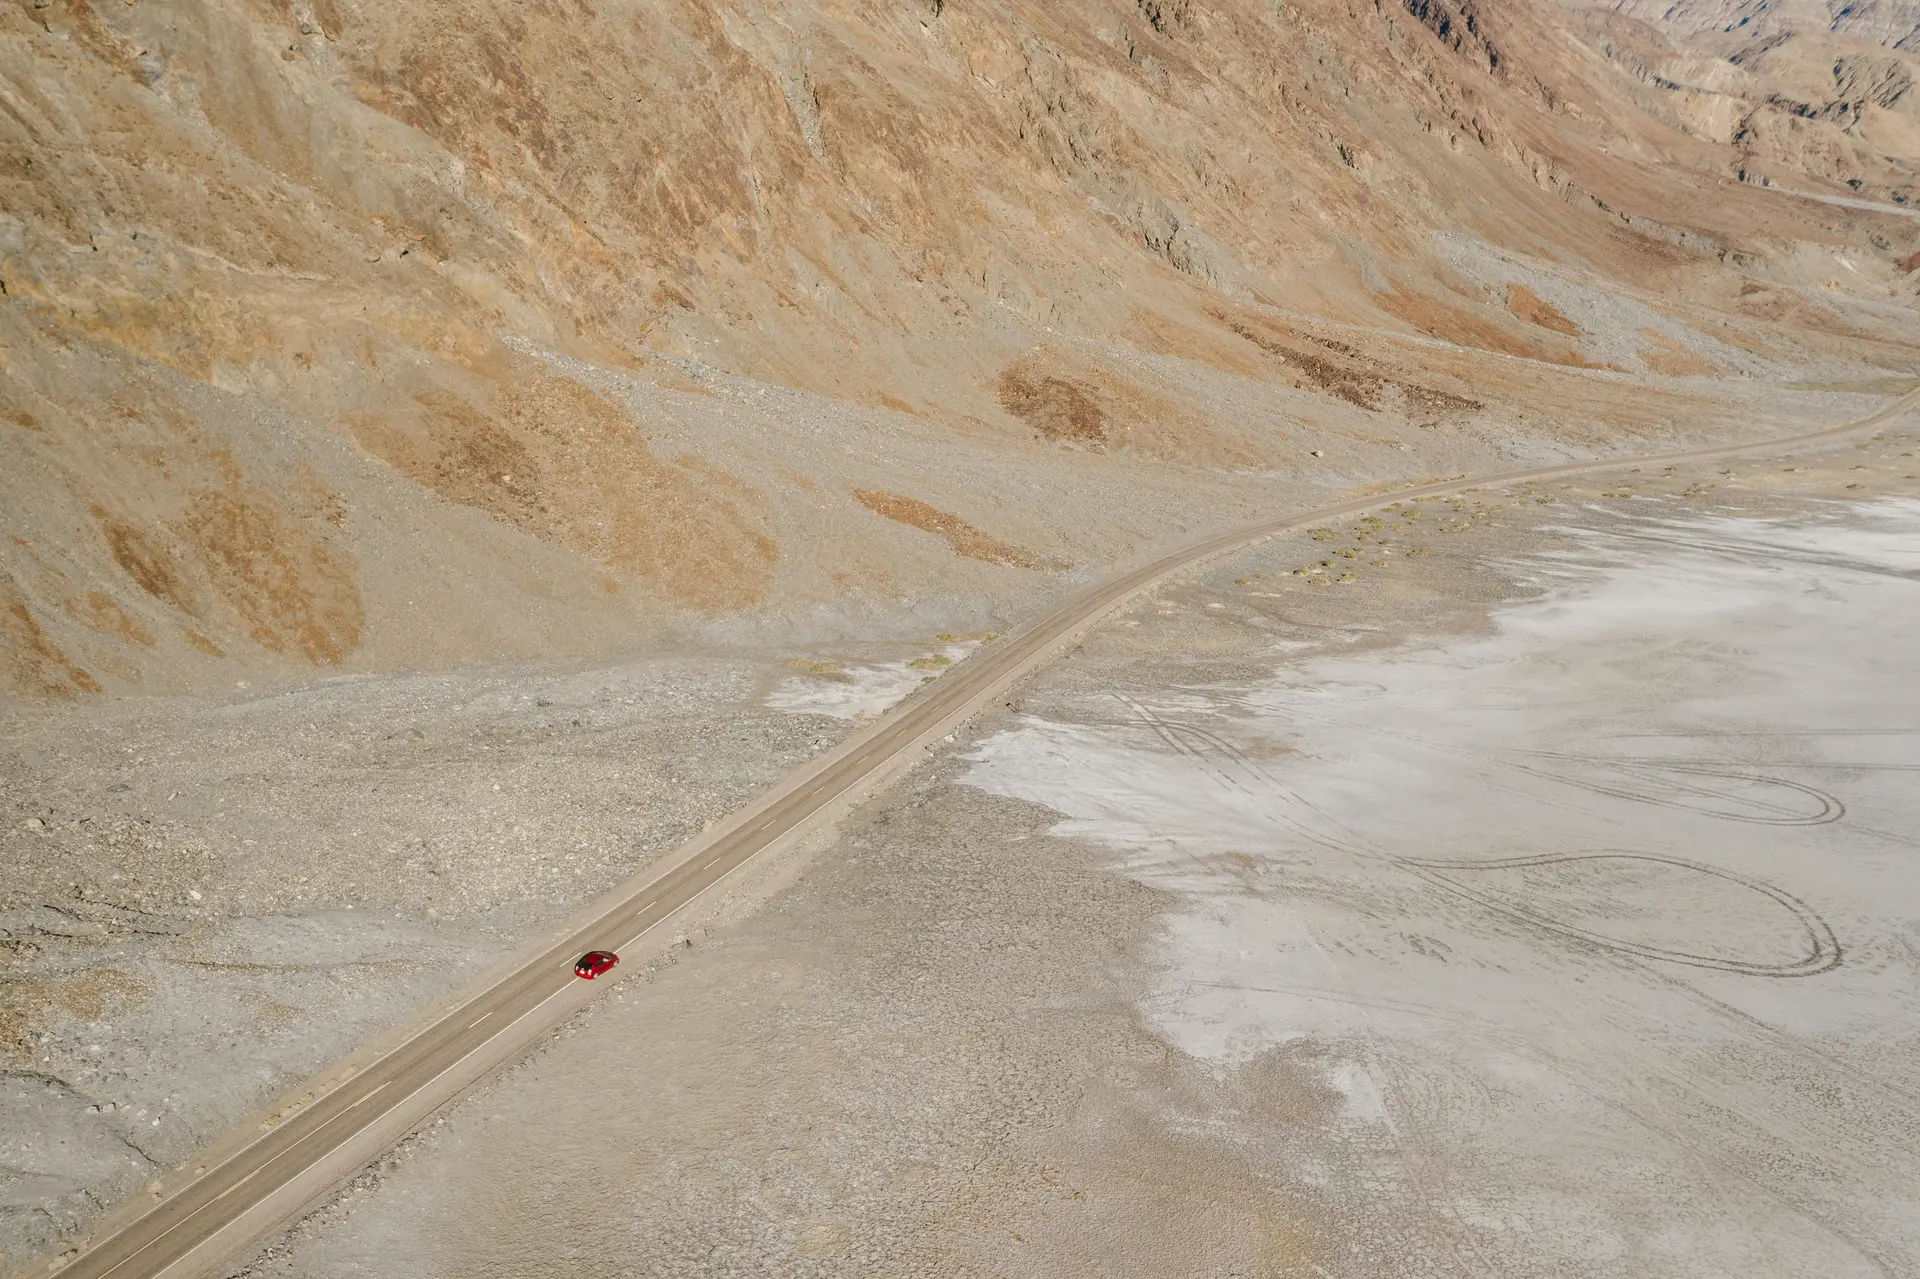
(258, 1185)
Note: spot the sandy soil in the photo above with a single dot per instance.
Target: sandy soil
(1538, 901)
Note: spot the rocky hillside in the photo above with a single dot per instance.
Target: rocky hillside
(1796, 92)
(342, 335)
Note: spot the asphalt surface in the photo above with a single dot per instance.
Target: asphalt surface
(258, 1185)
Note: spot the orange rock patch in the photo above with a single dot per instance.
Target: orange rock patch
(1062, 410)
(1451, 323)
(1344, 379)
(1161, 335)
(1074, 401)
(1462, 327)
(556, 461)
(1336, 368)
(233, 554)
(295, 594)
(99, 611)
(965, 539)
(30, 662)
(1534, 309)
(150, 566)
(1671, 358)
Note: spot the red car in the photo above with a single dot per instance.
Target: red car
(593, 963)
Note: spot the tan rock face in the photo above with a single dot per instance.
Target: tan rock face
(273, 276)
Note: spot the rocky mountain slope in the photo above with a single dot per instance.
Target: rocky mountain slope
(1796, 91)
(351, 336)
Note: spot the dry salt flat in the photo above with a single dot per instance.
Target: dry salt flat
(1605, 924)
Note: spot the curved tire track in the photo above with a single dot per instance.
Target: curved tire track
(1823, 947)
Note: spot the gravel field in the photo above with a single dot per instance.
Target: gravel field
(205, 906)
(1538, 901)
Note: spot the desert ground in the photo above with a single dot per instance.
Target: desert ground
(1520, 884)
(451, 454)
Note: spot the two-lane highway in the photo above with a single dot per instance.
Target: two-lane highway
(261, 1183)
